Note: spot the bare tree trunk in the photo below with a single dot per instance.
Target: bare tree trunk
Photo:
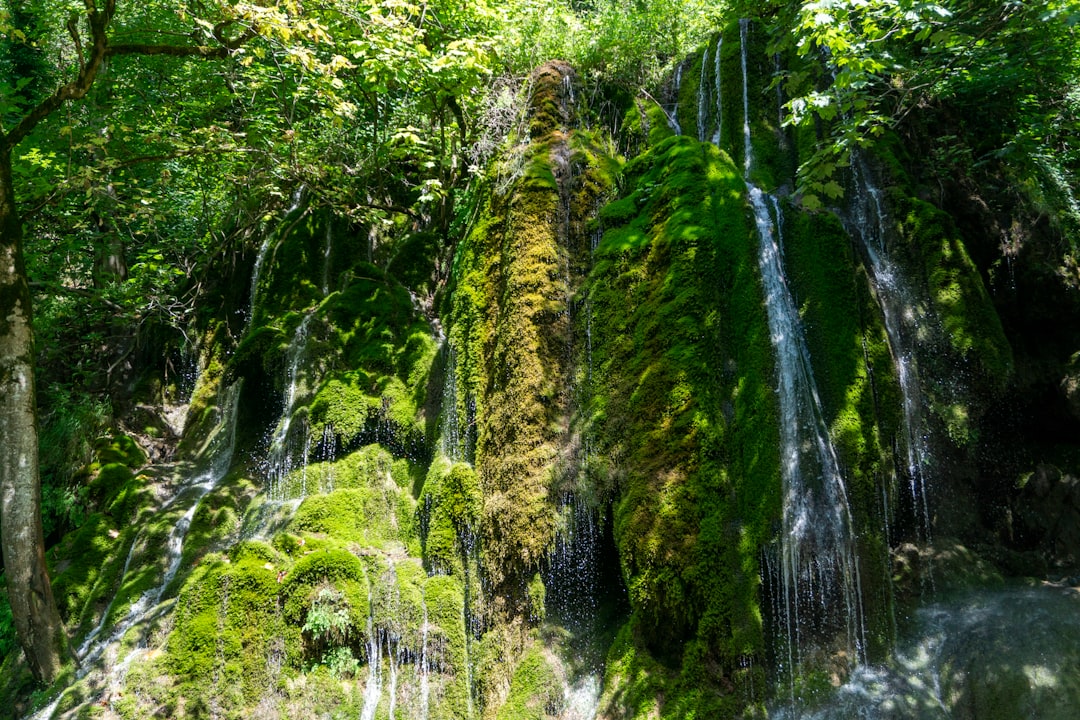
(37, 622)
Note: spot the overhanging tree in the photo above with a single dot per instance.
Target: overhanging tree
(38, 627)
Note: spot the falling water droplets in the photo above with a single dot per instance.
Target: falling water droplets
(818, 572)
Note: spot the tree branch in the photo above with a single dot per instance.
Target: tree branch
(81, 292)
(100, 49)
(77, 88)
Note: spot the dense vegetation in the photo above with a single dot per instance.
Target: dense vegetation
(470, 276)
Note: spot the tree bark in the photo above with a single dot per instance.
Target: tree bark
(37, 623)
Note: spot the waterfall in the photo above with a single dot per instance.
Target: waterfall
(373, 687)
(573, 584)
(865, 220)
(256, 274)
(702, 97)
(673, 116)
(260, 258)
(573, 579)
(91, 650)
(451, 437)
(327, 249)
(280, 460)
(717, 84)
(425, 687)
(818, 573)
(392, 651)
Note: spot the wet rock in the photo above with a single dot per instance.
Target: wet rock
(1047, 515)
(985, 655)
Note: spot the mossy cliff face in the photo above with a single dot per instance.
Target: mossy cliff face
(608, 352)
(686, 420)
(316, 616)
(512, 336)
(338, 336)
(686, 405)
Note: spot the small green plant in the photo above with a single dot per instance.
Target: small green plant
(7, 625)
(328, 629)
(340, 662)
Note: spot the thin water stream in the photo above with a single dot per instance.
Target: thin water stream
(673, 116)
(286, 452)
(142, 611)
(819, 593)
(865, 221)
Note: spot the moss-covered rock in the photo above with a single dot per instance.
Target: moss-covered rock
(511, 328)
(684, 406)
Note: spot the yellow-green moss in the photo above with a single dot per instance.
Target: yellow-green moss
(958, 296)
(510, 327)
(536, 691)
(684, 406)
(637, 686)
(449, 511)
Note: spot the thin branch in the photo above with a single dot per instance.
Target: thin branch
(73, 30)
(100, 49)
(77, 88)
(81, 292)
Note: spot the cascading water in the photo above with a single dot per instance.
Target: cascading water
(719, 98)
(573, 591)
(280, 460)
(287, 453)
(819, 588)
(373, 688)
(425, 683)
(703, 97)
(865, 221)
(450, 433)
(260, 258)
(673, 116)
(145, 607)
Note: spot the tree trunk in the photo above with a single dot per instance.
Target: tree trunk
(37, 622)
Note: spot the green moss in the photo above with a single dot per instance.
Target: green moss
(366, 500)
(413, 262)
(120, 449)
(204, 411)
(228, 623)
(372, 329)
(217, 520)
(637, 686)
(684, 405)
(447, 649)
(114, 487)
(366, 516)
(536, 691)
(958, 296)
(959, 324)
(450, 509)
(85, 566)
(509, 332)
(367, 351)
(774, 154)
(294, 267)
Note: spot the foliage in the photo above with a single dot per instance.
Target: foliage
(7, 626)
(865, 65)
(626, 43)
(329, 627)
